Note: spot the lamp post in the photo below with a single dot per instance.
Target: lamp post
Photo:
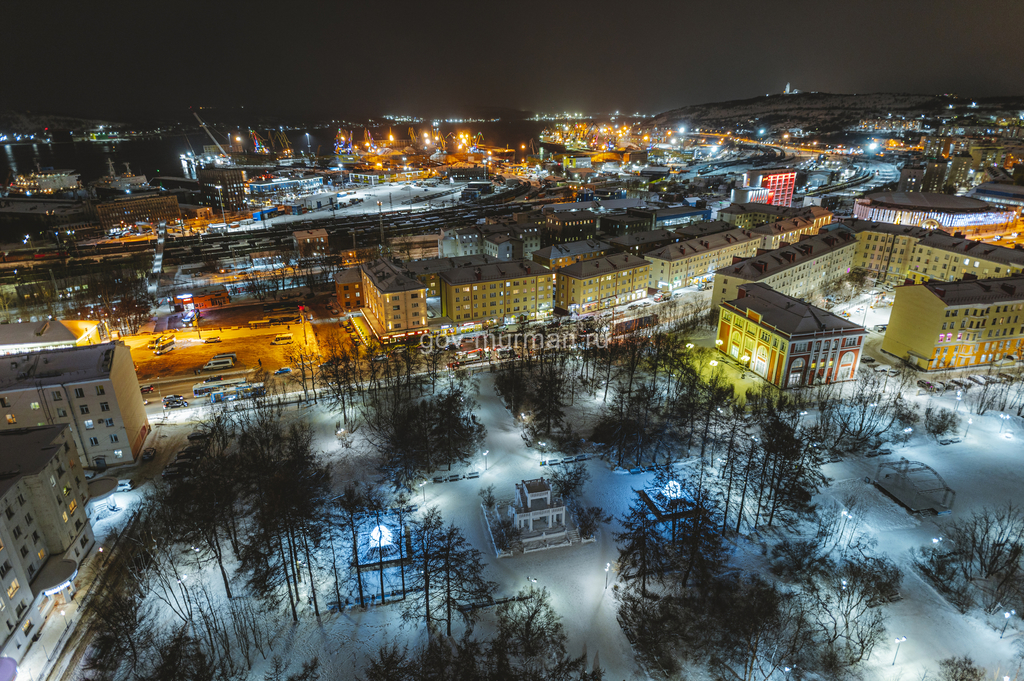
(958, 396)
(220, 198)
(65, 619)
(485, 459)
(1006, 616)
(607, 567)
(968, 429)
(1003, 418)
(424, 491)
(900, 640)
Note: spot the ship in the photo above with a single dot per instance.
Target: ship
(46, 183)
(114, 185)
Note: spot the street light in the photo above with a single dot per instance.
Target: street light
(1006, 615)
(900, 640)
(968, 429)
(958, 395)
(607, 566)
(1003, 418)
(485, 459)
(424, 491)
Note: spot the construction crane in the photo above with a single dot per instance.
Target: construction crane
(341, 144)
(368, 139)
(207, 131)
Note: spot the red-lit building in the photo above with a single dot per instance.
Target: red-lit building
(786, 341)
(774, 187)
(200, 299)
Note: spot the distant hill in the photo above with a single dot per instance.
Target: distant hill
(28, 123)
(824, 112)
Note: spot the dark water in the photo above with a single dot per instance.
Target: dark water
(161, 156)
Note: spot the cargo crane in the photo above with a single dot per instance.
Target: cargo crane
(258, 143)
(281, 139)
(368, 139)
(341, 144)
(206, 129)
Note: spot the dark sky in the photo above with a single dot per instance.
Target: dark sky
(349, 58)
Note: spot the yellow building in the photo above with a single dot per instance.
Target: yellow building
(748, 215)
(946, 325)
(790, 230)
(396, 303)
(603, 282)
(901, 252)
(498, 293)
(688, 262)
(795, 269)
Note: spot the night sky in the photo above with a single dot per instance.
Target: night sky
(336, 59)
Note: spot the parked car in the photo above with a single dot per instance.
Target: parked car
(172, 398)
(174, 472)
(882, 368)
(187, 457)
(124, 485)
(148, 454)
(867, 359)
(174, 404)
(212, 339)
(197, 435)
(881, 327)
(980, 380)
(283, 370)
(195, 448)
(927, 385)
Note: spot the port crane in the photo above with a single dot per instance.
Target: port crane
(206, 129)
(259, 144)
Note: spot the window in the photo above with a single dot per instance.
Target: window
(65, 514)
(83, 409)
(94, 442)
(79, 392)
(24, 551)
(100, 390)
(118, 453)
(13, 589)
(28, 518)
(104, 406)
(34, 406)
(21, 500)
(62, 413)
(57, 397)
(113, 437)
(88, 424)
(16, 533)
(109, 423)
(73, 506)
(5, 568)
(11, 419)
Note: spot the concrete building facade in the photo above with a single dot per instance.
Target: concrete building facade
(696, 260)
(600, 283)
(93, 389)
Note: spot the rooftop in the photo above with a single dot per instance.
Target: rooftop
(711, 242)
(571, 249)
(437, 265)
(697, 229)
(976, 291)
(51, 331)
(650, 236)
(60, 365)
(565, 216)
(790, 255)
(389, 276)
(973, 249)
(808, 212)
(603, 265)
(787, 314)
(26, 451)
(912, 231)
(498, 271)
(926, 201)
(784, 226)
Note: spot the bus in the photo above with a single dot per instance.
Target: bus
(230, 393)
(282, 339)
(163, 346)
(259, 323)
(200, 389)
(219, 363)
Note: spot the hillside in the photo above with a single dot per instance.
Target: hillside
(826, 112)
(28, 123)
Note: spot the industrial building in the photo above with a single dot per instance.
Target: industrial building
(125, 212)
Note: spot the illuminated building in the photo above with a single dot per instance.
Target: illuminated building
(599, 283)
(944, 325)
(696, 260)
(45, 531)
(774, 187)
(129, 210)
(786, 341)
(969, 216)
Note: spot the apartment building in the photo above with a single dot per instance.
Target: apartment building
(946, 325)
(93, 389)
(428, 271)
(520, 242)
(125, 212)
(44, 530)
(786, 341)
(795, 270)
(905, 252)
(570, 225)
(596, 284)
(748, 215)
(498, 293)
(639, 243)
(559, 255)
(348, 287)
(789, 230)
(696, 260)
(395, 302)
